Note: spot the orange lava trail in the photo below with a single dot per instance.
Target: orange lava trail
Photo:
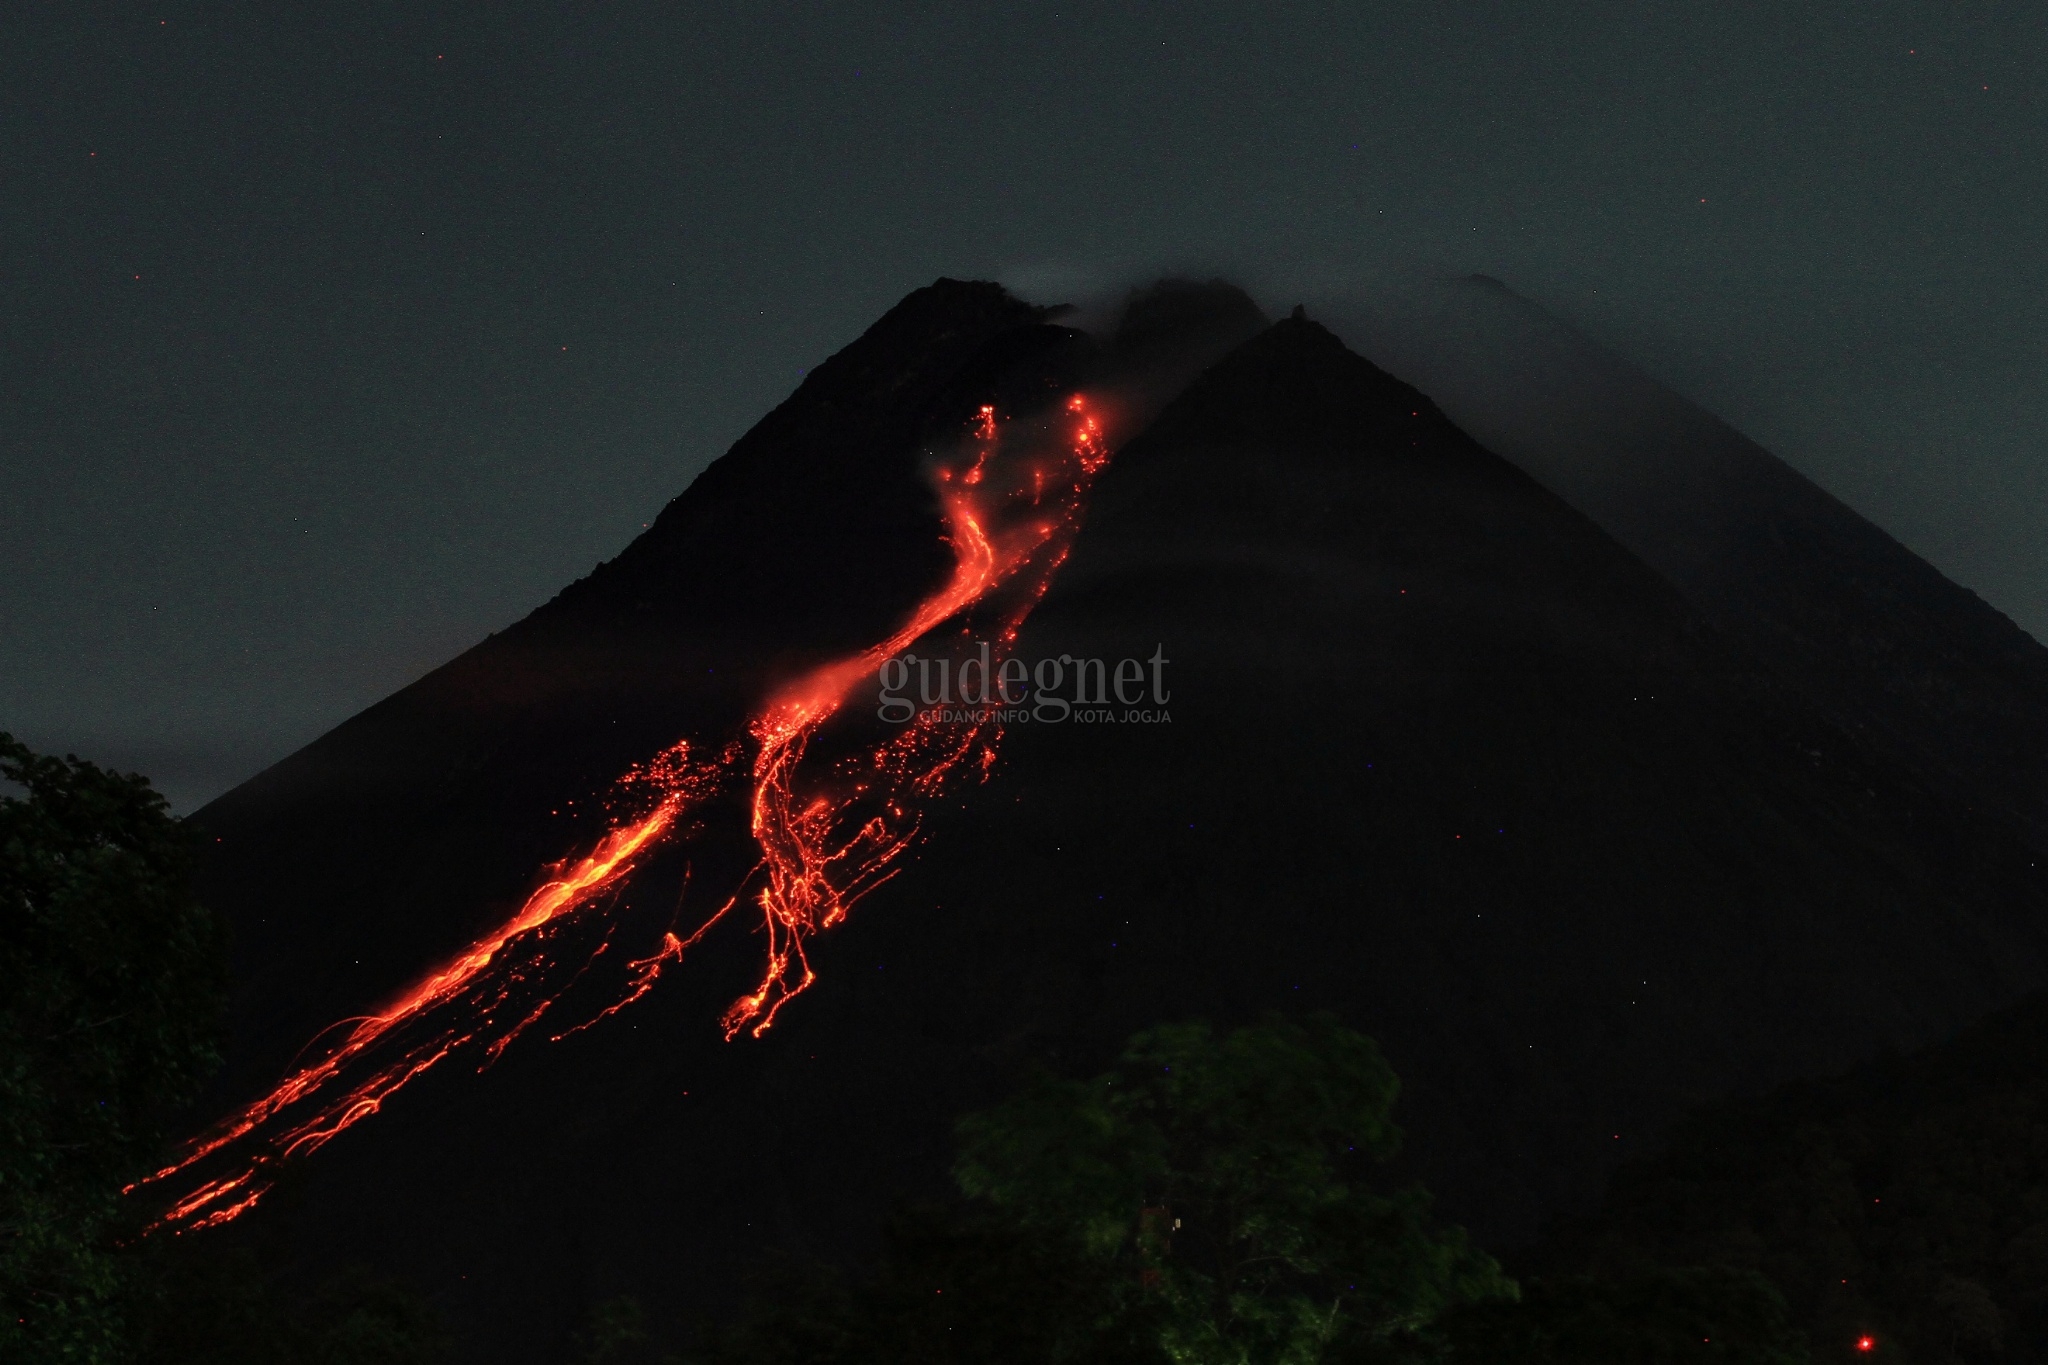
(1009, 517)
(376, 1057)
(816, 866)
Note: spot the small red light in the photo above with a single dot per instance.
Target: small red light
(1866, 1343)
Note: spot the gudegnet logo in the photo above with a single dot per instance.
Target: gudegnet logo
(1058, 688)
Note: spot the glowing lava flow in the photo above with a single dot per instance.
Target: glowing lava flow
(816, 866)
(824, 843)
(379, 1053)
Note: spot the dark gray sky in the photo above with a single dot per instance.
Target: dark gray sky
(330, 342)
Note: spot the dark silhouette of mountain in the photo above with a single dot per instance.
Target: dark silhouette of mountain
(1443, 757)
(1839, 613)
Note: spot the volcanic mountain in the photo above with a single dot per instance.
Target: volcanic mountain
(1419, 743)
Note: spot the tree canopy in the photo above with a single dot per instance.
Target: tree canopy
(1228, 1179)
(112, 978)
(1215, 1198)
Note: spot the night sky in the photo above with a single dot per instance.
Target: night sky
(331, 342)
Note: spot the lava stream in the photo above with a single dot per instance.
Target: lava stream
(825, 840)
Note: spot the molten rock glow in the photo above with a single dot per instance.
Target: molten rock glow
(1012, 504)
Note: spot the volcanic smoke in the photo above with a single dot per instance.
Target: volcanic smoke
(1011, 500)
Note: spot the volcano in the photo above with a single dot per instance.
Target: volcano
(1428, 739)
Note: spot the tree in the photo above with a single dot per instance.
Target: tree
(112, 981)
(1224, 1184)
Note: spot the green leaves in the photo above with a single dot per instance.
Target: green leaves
(1061, 1155)
(1223, 1184)
(112, 980)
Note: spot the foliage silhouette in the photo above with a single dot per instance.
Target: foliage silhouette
(1209, 1199)
(112, 980)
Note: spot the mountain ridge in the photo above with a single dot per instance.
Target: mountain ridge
(1836, 609)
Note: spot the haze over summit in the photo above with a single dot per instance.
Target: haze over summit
(332, 347)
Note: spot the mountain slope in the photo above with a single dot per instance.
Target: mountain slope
(1839, 612)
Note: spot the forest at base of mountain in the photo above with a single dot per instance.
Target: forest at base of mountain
(1896, 1213)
